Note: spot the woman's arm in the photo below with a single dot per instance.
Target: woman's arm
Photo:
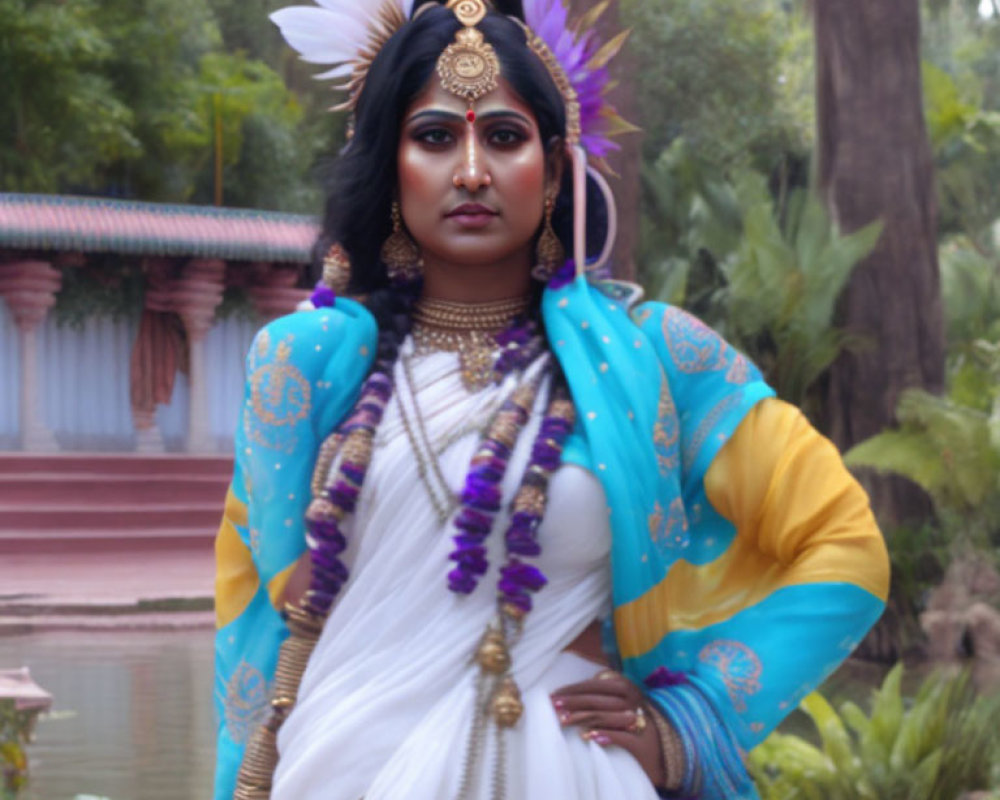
(801, 522)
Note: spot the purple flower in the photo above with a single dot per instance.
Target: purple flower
(516, 599)
(545, 455)
(344, 495)
(515, 334)
(353, 472)
(480, 493)
(523, 575)
(564, 275)
(523, 545)
(473, 522)
(661, 678)
(470, 561)
(323, 296)
(526, 521)
(460, 581)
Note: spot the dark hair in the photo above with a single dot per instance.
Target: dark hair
(361, 184)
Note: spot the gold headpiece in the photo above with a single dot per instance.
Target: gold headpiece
(349, 34)
(469, 67)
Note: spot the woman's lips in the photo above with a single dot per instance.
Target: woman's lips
(472, 215)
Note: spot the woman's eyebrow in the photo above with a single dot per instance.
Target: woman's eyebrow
(452, 116)
(434, 113)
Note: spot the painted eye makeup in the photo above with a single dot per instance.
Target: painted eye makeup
(507, 136)
(434, 136)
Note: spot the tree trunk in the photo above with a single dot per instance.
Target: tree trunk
(875, 162)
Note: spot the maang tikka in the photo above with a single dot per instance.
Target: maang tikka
(400, 253)
(469, 67)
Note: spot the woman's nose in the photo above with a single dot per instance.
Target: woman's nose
(472, 173)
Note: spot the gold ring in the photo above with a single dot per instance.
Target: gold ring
(606, 675)
(639, 725)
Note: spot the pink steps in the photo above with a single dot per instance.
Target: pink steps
(67, 503)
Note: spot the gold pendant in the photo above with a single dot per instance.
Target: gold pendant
(477, 357)
(507, 706)
(492, 654)
(469, 67)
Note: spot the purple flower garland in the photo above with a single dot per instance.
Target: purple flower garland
(481, 497)
(518, 580)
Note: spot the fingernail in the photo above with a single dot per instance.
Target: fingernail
(557, 702)
(588, 735)
(564, 718)
(602, 740)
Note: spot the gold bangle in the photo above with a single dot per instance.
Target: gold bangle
(672, 749)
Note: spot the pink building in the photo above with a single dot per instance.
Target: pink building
(125, 422)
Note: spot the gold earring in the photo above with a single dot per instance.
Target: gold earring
(399, 252)
(336, 269)
(549, 252)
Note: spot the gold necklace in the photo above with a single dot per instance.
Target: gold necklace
(429, 469)
(468, 329)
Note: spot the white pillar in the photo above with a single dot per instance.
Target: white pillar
(30, 288)
(196, 296)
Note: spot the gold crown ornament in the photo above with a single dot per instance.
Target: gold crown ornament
(469, 67)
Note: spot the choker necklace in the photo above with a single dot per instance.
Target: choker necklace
(468, 329)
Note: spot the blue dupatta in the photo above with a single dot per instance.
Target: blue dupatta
(658, 394)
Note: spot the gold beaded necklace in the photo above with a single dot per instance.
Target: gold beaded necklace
(468, 329)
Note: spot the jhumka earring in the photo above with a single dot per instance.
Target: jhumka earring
(399, 252)
(336, 269)
(549, 252)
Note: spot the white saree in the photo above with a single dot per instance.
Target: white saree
(386, 703)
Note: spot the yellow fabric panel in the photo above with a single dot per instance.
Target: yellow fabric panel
(277, 584)
(236, 510)
(800, 518)
(236, 579)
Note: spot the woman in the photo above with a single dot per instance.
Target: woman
(448, 486)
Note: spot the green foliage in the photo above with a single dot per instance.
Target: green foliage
(235, 304)
(734, 78)
(110, 288)
(970, 291)
(133, 98)
(950, 450)
(765, 273)
(966, 143)
(15, 731)
(60, 118)
(933, 748)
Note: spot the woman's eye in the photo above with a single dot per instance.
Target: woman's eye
(506, 137)
(434, 136)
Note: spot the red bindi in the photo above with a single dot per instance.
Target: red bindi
(470, 116)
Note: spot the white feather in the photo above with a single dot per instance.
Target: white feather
(337, 72)
(320, 36)
(332, 32)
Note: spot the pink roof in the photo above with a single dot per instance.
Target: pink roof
(84, 224)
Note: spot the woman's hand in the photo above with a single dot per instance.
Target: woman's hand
(298, 582)
(611, 710)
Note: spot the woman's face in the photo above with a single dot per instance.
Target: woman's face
(472, 193)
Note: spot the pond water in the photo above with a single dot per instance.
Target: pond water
(132, 717)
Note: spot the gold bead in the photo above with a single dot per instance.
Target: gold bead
(514, 613)
(507, 706)
(492, 654)
(321, 509)
(358, 447)
(531, 499)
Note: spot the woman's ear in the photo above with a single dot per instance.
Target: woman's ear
(556, 158)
